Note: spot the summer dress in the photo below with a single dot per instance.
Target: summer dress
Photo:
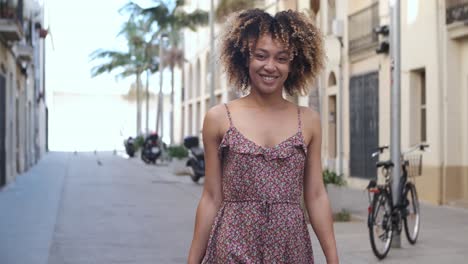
(260, 219)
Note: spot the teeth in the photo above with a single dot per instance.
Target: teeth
(268, 78)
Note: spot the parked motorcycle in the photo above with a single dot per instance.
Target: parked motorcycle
(151, 149)
(129, 144)
(196, 160)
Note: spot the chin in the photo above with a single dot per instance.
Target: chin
(268, 90)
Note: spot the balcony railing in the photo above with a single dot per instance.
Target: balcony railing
(11, 19)
(456, 10)
(361, 25)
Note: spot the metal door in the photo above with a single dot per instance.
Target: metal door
(364, 120)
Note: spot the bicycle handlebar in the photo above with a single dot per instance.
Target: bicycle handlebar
(379, 150)
(420, 147)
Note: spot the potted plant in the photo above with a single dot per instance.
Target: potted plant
(331, 177)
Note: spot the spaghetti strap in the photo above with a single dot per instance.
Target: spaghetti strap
(228, 114)
(299, 118)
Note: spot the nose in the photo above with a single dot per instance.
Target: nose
(270, 65)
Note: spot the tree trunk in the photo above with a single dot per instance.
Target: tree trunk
(172, 105)
(138, 99)
(147, 101)
(160, 105)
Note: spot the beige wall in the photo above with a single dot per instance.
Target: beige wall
(425, 44)
(445, 176)
(357, 5)
(417, 41)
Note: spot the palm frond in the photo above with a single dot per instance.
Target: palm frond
(226, 7)
(158, 14)
(131, 8)
(190, 20)
(174, 57)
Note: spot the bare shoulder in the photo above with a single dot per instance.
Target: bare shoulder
(311, 123)
(215, 120)
(310, 115)
(216, 113)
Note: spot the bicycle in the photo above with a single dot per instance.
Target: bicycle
(384, 217)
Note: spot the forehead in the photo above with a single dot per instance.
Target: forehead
(268, 43)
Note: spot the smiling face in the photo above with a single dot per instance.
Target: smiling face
(269, 65)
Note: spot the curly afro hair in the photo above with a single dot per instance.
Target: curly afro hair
(292, 29)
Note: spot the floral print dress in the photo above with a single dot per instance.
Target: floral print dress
(260, 219)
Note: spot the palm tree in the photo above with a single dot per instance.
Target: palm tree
(134, 61)
(174, 56)
(226, 7)
(170, 21)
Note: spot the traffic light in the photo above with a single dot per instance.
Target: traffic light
(384, 45)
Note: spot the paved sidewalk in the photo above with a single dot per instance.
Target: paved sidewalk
(29, 209)
(443, 236)
(105, 209)
(96, 209)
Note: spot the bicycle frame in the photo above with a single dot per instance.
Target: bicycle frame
(394, 215)
(387, 174)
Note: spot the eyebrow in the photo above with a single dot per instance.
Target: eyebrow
(281, 52)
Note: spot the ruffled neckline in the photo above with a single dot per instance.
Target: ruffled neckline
(244, 145)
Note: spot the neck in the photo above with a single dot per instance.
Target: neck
(272, 101)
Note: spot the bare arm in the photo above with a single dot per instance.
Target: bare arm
(316, 198)
(212, 194)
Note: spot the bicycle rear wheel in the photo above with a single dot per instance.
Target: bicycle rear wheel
(380, 224)
(411, 215)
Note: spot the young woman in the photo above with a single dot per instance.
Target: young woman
(262, 152)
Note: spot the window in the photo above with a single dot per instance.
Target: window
(423, 107)
(418, 109)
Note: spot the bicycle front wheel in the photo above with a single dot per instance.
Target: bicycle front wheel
(411, 215)
(380, 224)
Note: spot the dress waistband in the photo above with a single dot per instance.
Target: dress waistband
(261, 201)
(265, 204)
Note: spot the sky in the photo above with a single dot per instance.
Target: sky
(88, 121)
(77, 29)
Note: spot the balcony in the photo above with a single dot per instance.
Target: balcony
(11, 20)
(24, 52)
(456, 18)
(361, 25)
(456, 10)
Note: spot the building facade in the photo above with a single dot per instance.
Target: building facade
(353, 92)
(23, 111)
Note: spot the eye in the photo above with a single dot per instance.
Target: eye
(283, 59)
(259, 56)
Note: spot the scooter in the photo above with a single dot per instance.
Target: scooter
(129, 144)
(196, 161)
(151, 150)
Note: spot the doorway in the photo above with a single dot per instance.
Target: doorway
(364, 124)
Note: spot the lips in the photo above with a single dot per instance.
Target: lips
(268, 78)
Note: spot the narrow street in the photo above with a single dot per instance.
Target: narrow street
(103, 208)
(70, 209)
